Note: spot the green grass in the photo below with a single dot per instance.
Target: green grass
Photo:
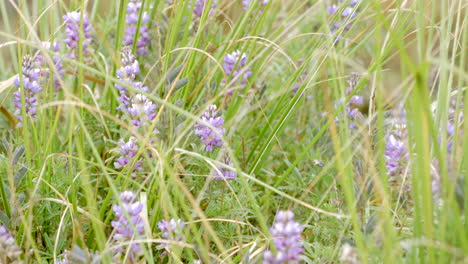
(59, 182)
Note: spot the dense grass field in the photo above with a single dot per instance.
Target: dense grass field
(233, 131)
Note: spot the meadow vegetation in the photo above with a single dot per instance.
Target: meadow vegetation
(233, 131)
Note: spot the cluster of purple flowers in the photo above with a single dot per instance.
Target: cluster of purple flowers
(235, 67)
(9, 251)
(211, 135)
(131, 19)
(73, 26)
(247, 3)
(200, 6)
(454, 138)
(128, 226)
(455, 120)
(172, 230)
(127, 74)
(347, 14)
(221, 173)
(140, 109)
(396, 153)
(286, 235)
(142, 112)
(56, 69)
(32, 88)
(352, 105)
(128, 151)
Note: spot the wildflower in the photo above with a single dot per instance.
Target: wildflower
(72, 31)
(45, 67)
(455, 119)
(129, 150)
(222, 173)
(352, 106)
(200, 6)
(210, 137)
(286, 235)
(142, 112)
(9, 251)
(31, 90)
(396, 154)
(235, 67)
(348, 13)
(172, 230)
(128, 225)
(64, 261)
(127, 74)
(131, 19)
(247, 3)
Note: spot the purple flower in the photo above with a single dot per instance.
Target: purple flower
(172, 230)
(127, 74)
(286, 235)
(454, 124)
(9, 251)
(347, 14)
(332, 9)
(31, 87)
(353, 104)
(235, 67)
(64, 261)
(247, 3)
(128, 151)
(142, 112)
(46, 69)
(396, 154)
(73, 25)
(200, 6)
(128, 225)
(222, 173)
(210, 137)
(131, 19)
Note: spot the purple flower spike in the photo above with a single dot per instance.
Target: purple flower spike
(286, 235)
(211, 138)
(31, 90)
(347, 14)
(56, 68)
(226, 174)
(454, 124)
(72, 30)
(131, 19)
(396, 154)
(247, 3)
(200, 6)
(235, 67)
(142, 111)
(127, 74)
(128, 151)
(172, 230)
(332, 9)
(9, 251)
(352, 106)
(128, 226)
